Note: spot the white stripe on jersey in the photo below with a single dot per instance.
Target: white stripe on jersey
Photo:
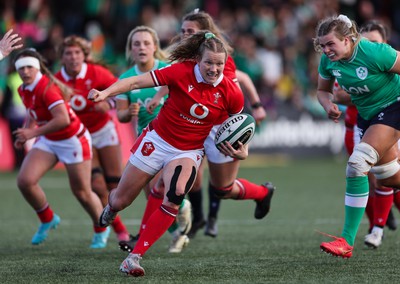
(56, 103)
(154, 78)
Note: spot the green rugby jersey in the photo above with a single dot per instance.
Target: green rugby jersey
(142, 96)
(365, 76)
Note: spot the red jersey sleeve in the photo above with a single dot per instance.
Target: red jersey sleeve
(105, 77)
(230, 69)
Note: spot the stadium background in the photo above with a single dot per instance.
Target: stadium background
(272, 40)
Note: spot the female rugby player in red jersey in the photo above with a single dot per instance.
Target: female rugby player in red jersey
(60, 136)
(81, 75)
(174, 140)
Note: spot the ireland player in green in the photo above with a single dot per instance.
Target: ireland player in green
(145, 56)
(369, 73)
(144, 52)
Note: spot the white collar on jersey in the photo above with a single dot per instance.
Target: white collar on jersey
(200, 79)
(30, 87)
(81, 74)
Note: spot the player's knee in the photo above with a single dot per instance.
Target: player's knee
(221, 192)
(172, 195)
(386, 170)
(24, 182)
(96, 171)
(360, 162)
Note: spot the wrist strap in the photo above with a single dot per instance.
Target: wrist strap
(256, 105)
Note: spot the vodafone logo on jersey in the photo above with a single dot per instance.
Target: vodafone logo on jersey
(78, 102)
(147, 149)
(199, 111)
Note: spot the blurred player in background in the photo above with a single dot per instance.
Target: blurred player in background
(60, 136)
(81, 75)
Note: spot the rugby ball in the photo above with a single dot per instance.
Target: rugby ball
(239, 127)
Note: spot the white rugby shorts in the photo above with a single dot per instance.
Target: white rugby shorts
(212, 152)
(106, 136)
(151, 153)
(75, 149)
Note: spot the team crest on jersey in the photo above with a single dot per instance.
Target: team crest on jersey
(88, 84)
(362, 72)
(147, 149)
(336, 73)
(216, 97)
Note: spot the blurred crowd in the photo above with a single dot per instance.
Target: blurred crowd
(272, 38)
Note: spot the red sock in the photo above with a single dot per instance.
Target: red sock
(369, 210)
(118, 226)
(396, 199)
(98, 229)
(157, 225)
(153, 202)
(250, 190)
(45, 214)
(383, 203)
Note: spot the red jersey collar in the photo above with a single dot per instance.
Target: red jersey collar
(81, 74)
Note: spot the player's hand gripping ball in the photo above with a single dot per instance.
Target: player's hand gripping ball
(239, 127)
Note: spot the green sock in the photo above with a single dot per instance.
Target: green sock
(357, 190)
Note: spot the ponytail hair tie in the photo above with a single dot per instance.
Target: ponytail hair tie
(346, 20)
(209, 35)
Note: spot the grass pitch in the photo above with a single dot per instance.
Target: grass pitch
(282, 248)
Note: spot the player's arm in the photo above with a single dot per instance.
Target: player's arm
(340, 96)
(250, 90)
(59, 121)
(325, 96)
(155, 101)
(126, 110)
(122, 86)
(396, 66)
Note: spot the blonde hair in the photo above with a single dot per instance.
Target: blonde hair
(31, 52)
(341, 25)
(159, 54)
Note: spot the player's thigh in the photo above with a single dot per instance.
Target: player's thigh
(222, 175)
(132, 181)
(79, 175)
(36, 163)
(111, 160)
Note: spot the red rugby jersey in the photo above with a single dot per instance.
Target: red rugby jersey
(192, 107)
(41, 100)
(92, 76)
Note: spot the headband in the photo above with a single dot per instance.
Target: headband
(27, 61)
